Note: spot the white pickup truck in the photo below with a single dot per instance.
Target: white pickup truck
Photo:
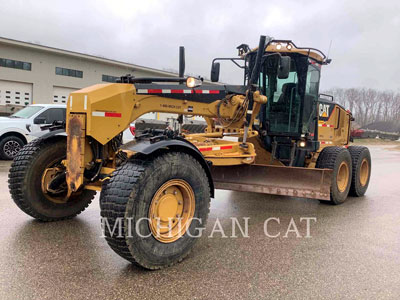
(24, 125)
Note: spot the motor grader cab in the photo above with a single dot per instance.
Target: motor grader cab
(273, 135)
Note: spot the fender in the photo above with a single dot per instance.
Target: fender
(10, 130)
(146, 147)
(13, 129)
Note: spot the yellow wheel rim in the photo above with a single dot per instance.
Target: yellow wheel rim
(48, 175)
(342, 177)
(364, 172)
(171, 210)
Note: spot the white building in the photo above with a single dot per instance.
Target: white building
(31, 73)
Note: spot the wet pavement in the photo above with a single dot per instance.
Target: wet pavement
(353, 251)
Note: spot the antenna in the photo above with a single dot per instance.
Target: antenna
(328, 60)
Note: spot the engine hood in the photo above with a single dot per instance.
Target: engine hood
(10, 120)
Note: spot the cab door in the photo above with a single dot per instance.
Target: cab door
(284, 104)
(45, 118)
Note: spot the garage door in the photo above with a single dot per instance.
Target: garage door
(15, 93)
(60, 94)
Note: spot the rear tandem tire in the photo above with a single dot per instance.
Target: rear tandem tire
(361, 160)
(25, 182)
(339, 160)
(128, 197)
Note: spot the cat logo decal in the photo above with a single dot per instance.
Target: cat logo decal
(324, 110)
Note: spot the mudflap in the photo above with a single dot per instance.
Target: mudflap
(278, 180)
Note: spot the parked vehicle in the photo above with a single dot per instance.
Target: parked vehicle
(24, 125)
(129, 133)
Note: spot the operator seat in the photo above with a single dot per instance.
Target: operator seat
(284, 98)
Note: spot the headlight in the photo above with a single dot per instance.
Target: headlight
(192, 82)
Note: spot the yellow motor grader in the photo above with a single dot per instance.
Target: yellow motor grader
(274, 134)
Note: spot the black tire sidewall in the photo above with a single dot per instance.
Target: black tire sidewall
(6, 139)
(32, 190)
(164, 168)
(357, 189)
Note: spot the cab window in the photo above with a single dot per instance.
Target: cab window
(310, 98)
(312, 83)
(283, 106)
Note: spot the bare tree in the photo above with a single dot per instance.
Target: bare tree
(369, 105)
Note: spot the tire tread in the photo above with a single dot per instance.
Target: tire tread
(355, 152)
(116, 194)
(327, 160)
(21, 163)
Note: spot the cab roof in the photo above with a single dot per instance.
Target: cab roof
(49, 105)
(287, 46)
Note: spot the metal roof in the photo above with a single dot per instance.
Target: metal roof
(94, 58)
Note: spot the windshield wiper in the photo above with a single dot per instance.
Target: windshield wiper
(14, 117)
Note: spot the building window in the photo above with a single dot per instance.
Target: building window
(15, 64)
(69, 72)
(109, 78)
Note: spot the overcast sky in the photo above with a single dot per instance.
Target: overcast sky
(365, 34)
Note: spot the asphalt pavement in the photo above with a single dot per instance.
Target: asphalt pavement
(352, 250)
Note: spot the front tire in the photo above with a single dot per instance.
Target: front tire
(167, 186)
(339, 160)
(25, 182)
(10, 146)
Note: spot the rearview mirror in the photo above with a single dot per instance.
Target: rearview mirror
(215, 72)
(277, 65)
(284, 67)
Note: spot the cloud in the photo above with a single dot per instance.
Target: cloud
(365, 34)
